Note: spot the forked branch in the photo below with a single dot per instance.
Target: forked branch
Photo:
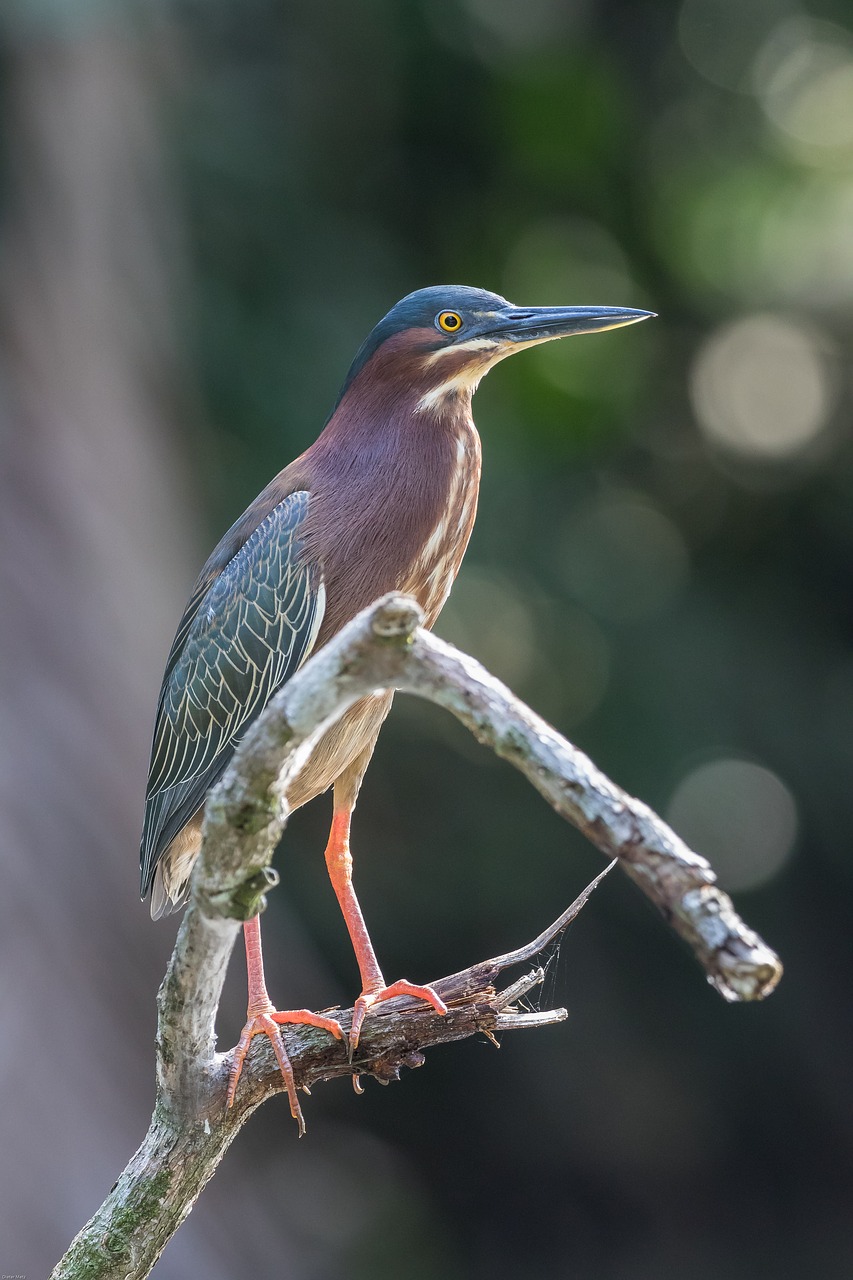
(385, 647)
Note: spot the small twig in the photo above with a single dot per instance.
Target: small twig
(521, 1021)
(520, 988)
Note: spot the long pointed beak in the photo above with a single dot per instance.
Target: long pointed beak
(538, 324)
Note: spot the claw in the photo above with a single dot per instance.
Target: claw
(266, 1022)
(368, 999)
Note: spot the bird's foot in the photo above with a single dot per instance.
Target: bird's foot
(266, 1021)
(368, 999)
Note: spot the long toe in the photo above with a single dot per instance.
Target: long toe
(266, 1022)
(402, 987)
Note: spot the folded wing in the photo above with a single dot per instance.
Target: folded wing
(242, 636)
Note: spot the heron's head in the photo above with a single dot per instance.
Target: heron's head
(437, 343)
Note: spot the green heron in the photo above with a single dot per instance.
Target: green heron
(383, 500)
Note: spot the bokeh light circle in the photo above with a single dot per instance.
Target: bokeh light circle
(740, 815)
(803, 79)
(720, 38)
(762, 387)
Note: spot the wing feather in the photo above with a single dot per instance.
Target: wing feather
(243, 634)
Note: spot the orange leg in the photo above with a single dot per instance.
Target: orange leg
(373, 988)
(263, 1018)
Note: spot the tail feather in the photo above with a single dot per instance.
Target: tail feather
(170, 882)
(163, 903)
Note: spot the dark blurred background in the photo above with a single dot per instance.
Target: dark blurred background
(203, 210)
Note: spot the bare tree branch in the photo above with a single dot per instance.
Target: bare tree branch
(383, 648)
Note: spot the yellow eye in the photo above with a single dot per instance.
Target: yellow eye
(449, 321)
